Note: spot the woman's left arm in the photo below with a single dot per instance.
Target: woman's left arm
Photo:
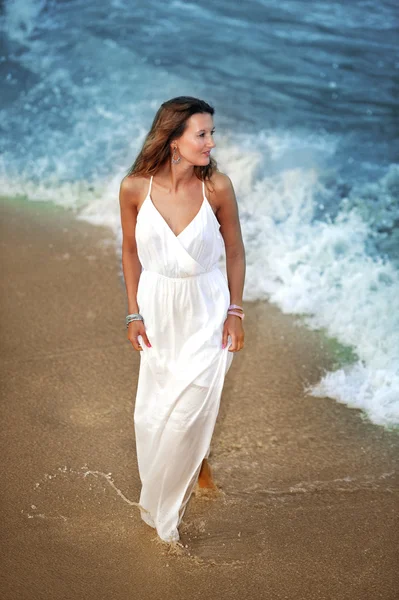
(230, 229)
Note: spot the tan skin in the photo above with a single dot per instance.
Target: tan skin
(177, 194)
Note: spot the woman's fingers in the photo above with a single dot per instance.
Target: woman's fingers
(135, 342)
(236, 335)
(237, 343)
(233, 345)
(146, 340)
(133, 335)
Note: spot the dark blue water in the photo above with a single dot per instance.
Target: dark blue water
(307, 123)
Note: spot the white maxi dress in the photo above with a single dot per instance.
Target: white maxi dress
(183, 297)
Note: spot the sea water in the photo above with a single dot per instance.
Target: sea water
(307, 124)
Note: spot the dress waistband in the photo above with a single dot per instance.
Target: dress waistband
(183, 277)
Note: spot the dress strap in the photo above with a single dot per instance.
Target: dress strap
(149, 189)
(203, 189)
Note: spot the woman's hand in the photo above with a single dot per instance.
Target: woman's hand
(233, 327)
(135, 329)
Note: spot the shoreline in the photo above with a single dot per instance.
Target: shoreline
(308, 488)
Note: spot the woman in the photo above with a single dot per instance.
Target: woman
(182, 310)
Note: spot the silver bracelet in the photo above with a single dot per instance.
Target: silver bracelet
(133, 317)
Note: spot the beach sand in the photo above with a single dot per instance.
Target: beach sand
(308, 489)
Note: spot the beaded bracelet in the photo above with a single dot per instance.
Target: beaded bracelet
(233, 312)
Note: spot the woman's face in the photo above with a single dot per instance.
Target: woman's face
(196, 143)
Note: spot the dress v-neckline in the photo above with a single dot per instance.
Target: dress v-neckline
(204, 201)
(166, 223)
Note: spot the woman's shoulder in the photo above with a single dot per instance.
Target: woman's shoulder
(219, 183)
(133, 187)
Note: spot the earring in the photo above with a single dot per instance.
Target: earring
(175, 160)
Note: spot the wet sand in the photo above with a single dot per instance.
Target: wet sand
(308, 489)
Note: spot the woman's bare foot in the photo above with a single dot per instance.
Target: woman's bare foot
(205, 477)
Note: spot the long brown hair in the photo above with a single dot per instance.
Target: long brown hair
(169, 123)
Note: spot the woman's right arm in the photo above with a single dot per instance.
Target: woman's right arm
(129, 194)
